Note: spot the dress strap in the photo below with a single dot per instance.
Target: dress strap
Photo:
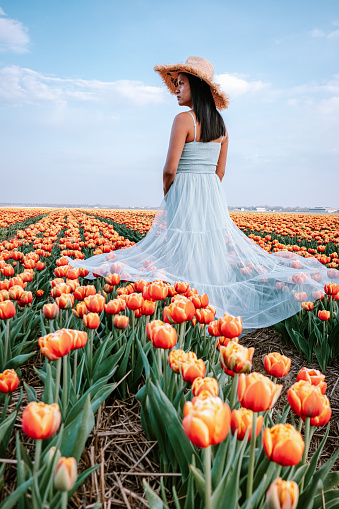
(195, 125)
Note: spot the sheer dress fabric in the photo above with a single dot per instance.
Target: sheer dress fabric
(193, 239)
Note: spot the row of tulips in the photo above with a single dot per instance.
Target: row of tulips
(138, 308)
(315, 329)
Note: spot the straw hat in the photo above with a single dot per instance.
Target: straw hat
(199, 67)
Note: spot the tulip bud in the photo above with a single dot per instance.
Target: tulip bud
(50, 455)
(282, 494)
(65, 474)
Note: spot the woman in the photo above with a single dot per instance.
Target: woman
(193, 238)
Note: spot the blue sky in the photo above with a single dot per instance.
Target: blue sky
(85, 119)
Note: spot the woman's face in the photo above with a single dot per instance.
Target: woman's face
(183, 91)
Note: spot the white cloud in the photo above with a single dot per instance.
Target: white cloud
(318, 34)
(236, 86)
(13, 35)
(25, 86)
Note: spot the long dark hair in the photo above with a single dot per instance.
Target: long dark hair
(212, 123)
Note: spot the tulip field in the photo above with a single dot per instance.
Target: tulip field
(146, 373)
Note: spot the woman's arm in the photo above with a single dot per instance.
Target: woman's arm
(220, 171)
(178, 137)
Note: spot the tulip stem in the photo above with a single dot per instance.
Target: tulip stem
(64, 385)
(159, 362)
(7, 342)
(214, 351)
(208, 488)
(91, 354)
(64, 499)
(234, 391)
(57, 380)
(60, 318)
(8, 397)
(306, 439)
(252, 456)
(38, 445)
(75, 366)
(133, 319)
(145, 330)
(165, 371)
(182, 335)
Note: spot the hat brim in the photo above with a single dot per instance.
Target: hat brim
(169, 75)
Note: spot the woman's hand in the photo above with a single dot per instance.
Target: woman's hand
(220, 171)
(180, 129)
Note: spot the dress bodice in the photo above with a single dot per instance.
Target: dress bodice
(199, 157)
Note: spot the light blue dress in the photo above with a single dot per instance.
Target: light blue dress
(194, 239)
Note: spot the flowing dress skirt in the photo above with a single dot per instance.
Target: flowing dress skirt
(193, 239)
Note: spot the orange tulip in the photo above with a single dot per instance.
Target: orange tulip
(73, 273)
(140, 285)
(177, 357)
(147, 307)
(282, 495)
(95, 303)
(157, 290)
(161, 334)
(15, 292)
(79, 338)
(324, 315)
(314, 377)
(50, 311)
(230, 326)
(40, 421)
(58, 290)
(120, 321)
(113, 279)
(40, 266)
(257, 392)
(192, 370)
(306, 400)
(331, 289)
(26, 299)
(283, 444)
(181, 287)
(65, 474)
(91, 320)
(65, 301)
(277, 365)
(223, 341)
(207, 384)
(7, 310)
(307, 306)
(114, 306)
(80, 310)
(324, 417)
(181, 310)
(241, 420)
(213, 328)
(84, 291)
(56, 345)
(9, 381)
(134, 301)
(206, 421)
(204, 315)
(235, 358)
(39, 293)
(199, 301)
